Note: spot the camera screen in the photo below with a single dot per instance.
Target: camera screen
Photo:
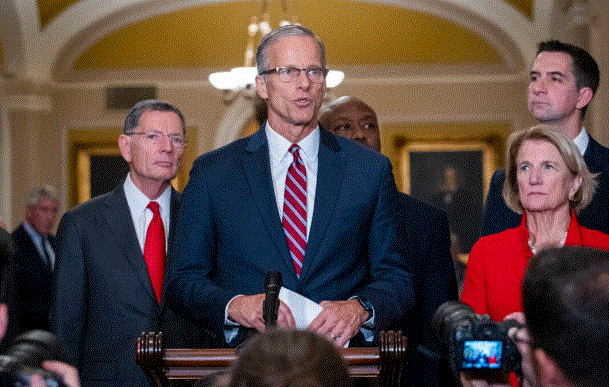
(482, 354)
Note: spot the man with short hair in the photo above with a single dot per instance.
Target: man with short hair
(293, 198)
(565, 294)
(563, 80)
(352, 118)
(29, 275)
(424, 233)
(110, 277)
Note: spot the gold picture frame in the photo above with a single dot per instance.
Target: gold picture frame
(83, 168)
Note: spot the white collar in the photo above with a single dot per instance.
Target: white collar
(279, 145)
(582, 140)
(138, 201)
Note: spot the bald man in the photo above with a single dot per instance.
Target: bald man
(424, 235)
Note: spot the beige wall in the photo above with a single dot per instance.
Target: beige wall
(40, 139)
(36, 155)
(599, 47)
(424, 99)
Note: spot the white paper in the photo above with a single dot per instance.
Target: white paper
(303, 309)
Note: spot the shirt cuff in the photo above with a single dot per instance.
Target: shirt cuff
(231, 328)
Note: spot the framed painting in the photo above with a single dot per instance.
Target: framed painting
(99, 170)
(453, 177)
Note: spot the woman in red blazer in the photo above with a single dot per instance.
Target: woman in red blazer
(548, 182)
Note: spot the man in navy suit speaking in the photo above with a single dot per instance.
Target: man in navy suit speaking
(292, 197)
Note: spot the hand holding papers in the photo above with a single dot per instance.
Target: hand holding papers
(303, 309)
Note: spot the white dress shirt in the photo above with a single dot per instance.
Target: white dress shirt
(141, 215)
(280, 160)
(582, 141)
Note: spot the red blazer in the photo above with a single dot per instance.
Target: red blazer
(497, 264)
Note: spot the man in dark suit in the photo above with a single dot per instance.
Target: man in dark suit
(424, 233)
(7, 251)
(67, 372)
(29, 276)
(248, 209)
(110, 278)
(563, 81)
(7, 247)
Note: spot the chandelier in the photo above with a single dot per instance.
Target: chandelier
(242, 78)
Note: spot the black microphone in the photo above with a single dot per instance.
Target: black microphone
(272, 285)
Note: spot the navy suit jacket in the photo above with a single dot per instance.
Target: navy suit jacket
(104, 298)
(229, 233)
(7, 250)
(423, 231)
(30, 282)
(498, 217)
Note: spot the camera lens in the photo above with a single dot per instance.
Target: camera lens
(449, 315)
(24, 358)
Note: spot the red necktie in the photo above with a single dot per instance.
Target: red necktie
(154, 250)
(295, 208)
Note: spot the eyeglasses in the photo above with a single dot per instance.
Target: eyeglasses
(290, 74)
(156, 138)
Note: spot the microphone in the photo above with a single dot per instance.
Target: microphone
(272, 285)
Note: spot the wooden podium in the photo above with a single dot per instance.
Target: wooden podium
(378, 366)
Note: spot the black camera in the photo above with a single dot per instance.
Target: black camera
(474, 342)
(25, 356)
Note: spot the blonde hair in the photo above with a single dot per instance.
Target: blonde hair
(570, 155)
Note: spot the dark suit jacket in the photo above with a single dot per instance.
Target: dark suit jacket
(498, 217)
(29, 288)
(7, 249)
(229, 233)
(423, 231)
(104, 298)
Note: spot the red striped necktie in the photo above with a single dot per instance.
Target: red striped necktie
(154, 250)
(295, 208)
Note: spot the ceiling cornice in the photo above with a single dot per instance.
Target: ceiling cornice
(54, 49)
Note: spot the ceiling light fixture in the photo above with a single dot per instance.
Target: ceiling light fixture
(243, 78)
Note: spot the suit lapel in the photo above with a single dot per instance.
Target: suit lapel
(31, 250)
(118, 218)
(591, 156)
(330, 171)
(175, 207)
(258, 171)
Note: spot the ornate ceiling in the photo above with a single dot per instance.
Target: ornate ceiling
(77, 40)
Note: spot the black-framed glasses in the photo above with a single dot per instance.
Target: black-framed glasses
(290, 73)
(176, 140)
